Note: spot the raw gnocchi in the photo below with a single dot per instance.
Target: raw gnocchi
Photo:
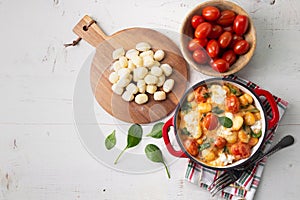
(137, 73)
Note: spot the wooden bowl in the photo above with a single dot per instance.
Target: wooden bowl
(187, 33)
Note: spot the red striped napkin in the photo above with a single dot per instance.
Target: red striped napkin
(246, 186)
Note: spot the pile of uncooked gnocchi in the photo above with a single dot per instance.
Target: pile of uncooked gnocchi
(138, 73)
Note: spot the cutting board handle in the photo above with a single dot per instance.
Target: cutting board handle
(88, 30)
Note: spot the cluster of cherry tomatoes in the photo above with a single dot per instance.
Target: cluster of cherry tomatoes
(220, 33)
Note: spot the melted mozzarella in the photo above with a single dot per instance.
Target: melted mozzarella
(256, 127)
(218, 94)
(191, 121)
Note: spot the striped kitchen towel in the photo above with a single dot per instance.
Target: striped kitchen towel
(246, 186)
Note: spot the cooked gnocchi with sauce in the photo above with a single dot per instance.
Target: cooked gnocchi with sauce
(139, 71)
(219, 124)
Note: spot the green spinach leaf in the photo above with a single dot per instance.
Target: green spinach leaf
(204, 146)
(135, 133)
(225, 121)
(111, 140)
(156, 131)
(154, 154)
(186, 107)
(184, 131)
(256, 135)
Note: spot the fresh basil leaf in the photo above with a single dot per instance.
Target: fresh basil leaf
(156, 131)
(256, 135)
(186, 107)
(134, 137)
(225, 149)
(225, 121)
(110, 140)
(204, 146)
(154, 154)
(234, 90)
(184, 131)
(217, 110)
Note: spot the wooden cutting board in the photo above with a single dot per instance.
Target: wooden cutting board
(100, 70)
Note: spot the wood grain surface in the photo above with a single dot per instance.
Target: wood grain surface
(100, 70)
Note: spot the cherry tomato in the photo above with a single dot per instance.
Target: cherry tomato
(220, 142)
(215, 32)
(229, 56)
(235, 39)
(220, 65)
(226, 18)
(212, 48)
(196, 20)
(200, 56)
(225, 39)
(203, 30)
(211, 13)
(210, 121)
(241, 47)
(200, 94)
(240, 150)
(232, 104)
(197, 43)
(240, 24)
(191, 146)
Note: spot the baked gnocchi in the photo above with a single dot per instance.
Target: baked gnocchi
(219, 124)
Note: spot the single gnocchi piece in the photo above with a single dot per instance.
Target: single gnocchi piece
(156, 71)
(243, 136)
(123, 61)
(147, 53)
(137, 61)
(161, 80)
(116, 89)
(151, 80)
(245, 99)
(124, 72)
(131, 53)
(142, 46)
(159, 95)
(116, 66)
(116, 54)
(168, 85)
(237, 123)
(249, 119)
(204, 107)
(159, 55)
(123, 82)
(127, 96)
(130, 65)
(148, 61)
(141, 98)
(113, 77)
(141, 86)
(167, 69)
(151, 89)
(139, 73)
(132, 88)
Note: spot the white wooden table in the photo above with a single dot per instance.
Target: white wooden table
(41, 156)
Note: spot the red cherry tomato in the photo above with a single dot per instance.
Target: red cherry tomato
(226, 18)
(229, 56)
(197, 44)
(211, 13)
(240, 150)
(220, 65)
(203, 30)
(200, 56)
(200, 94)
(196, 20)
(241, 47)
(225, 39)
(220, 142)
(191, 146)
(240, 24)
(235, 39)
(232, 104)
(212, 48)
(215, 32)
(210, 121)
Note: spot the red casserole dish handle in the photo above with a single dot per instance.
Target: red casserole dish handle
(165, 135)
(275, 113)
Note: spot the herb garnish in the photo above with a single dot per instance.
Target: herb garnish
(225, 121)
(156, 131)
